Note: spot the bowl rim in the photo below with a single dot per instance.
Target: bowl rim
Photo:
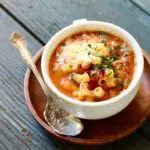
(137, 73)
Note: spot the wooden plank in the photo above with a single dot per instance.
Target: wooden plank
(47, 17)
(18, 129)
(143, 4)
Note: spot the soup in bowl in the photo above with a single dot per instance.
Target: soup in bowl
(93, 67)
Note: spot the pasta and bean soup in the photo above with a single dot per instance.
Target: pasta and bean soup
(92, 66)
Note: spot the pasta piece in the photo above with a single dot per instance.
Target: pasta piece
(109, 79)
(69, 67)
(109, 73)
(102, 50)
(105, 52)
(111, 82)
(100, 81)
(83, 92)
(81, 78)
(99, 92)
(85, 65)
(74, 67)
(100, 47)
(79, 95)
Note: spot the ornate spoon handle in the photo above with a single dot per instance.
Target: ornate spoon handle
(19, 42)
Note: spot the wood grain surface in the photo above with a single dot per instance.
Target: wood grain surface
(50, 16)
(143, 4)
(38, 21)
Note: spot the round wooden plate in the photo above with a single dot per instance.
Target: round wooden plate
(98, 131)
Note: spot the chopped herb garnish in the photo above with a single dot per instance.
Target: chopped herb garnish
(89, 53)
(123, 48)
(117, 46)
(109, 74)
(103, 33)
(106, 63)
(96, 67)
(121, 84)
(96, 47)
(103, 37)
(114, 57)
(89, 45)
(115, 71)
(71, 76)
(93, 75)
(110, 48)
(103, 41)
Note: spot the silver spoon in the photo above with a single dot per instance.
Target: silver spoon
(60, 120)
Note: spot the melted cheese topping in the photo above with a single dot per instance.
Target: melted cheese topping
(87, 53)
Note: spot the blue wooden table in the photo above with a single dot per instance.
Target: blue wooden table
(38, 20)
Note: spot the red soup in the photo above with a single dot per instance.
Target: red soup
(92, 66)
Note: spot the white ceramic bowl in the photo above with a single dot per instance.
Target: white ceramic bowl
(94, 110)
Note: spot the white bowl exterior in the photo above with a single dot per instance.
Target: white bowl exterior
(97, 110)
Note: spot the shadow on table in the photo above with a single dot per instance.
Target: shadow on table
(133, 142)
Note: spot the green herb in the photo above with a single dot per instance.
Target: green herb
(106, 63)
(103, 37)
(96, 67)
(96, 47)
(89, 45)
(123, 48)
(103, 33)
(103, 41)
(103, 58)
(121, 84)
(117, 46)
(115, 71)
(109, 74)
(89, 53)
(110, 48)
(93, 75)
(114, 57)
(71, 76)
